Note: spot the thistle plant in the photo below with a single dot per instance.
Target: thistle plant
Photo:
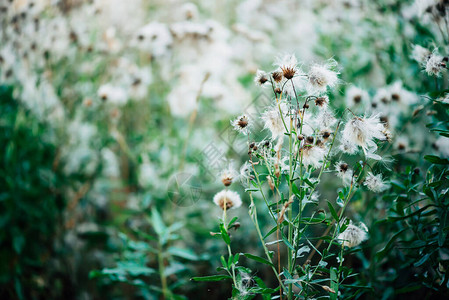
(283, 174)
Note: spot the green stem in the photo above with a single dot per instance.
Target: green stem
(290, 209)
(253, 215)
(263, 194)
(229, 247)
(160, 258)
(334, 235)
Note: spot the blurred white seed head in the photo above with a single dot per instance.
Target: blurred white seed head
(442, 145)
(420, 54)
(382, 97)
(245, 173)
(113, 94)
(375, 183)
(325, 118)
(273, 120)
(227, 199)
(348, 147)
(435, 64)
(356, 96)
(321, 77)
(353, 235)
(344, 172)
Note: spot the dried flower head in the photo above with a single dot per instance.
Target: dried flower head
(375, 183)
(288, 64)
(353, 235)
(321, 101)
(227, 199)
(228, 176)
(277, 76)
(325, 134)
(242, 124)
(261, 78)
(288, 71)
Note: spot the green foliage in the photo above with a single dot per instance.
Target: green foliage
(31, 203)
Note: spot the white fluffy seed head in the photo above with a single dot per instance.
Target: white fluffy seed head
(286, 61)
(324, 119)
(356, 96)
(348, 147)
(321, 77)
(228, 176)
(375, 183)
(435, 65)
(113, 94)
(313, 155)
(344, 172)
(273, 120)
(420, 54)
(353, 235)
(228, 199)
(363, 131)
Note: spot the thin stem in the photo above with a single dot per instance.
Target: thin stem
(290, 209)
(261, 191)
(229, 246)
(253, 215)
(162, 272)
(337, 228)
(191, 123)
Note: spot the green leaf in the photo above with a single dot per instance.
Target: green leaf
(442, 233)
(295, 190)
(436, 160)
(257, 258)
(381, 253)
(157, 222)
(18, 243)
(422, 260)
(334, 283)
(183, 253)
(287, 243)
(230, 260)
(223, 262)
(212, 278)
(309, 183)
(273, 230)
(232, 221)
(332, 210)
(224, 235)
(236, 258)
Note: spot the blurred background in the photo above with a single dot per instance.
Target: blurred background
(114, 123)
